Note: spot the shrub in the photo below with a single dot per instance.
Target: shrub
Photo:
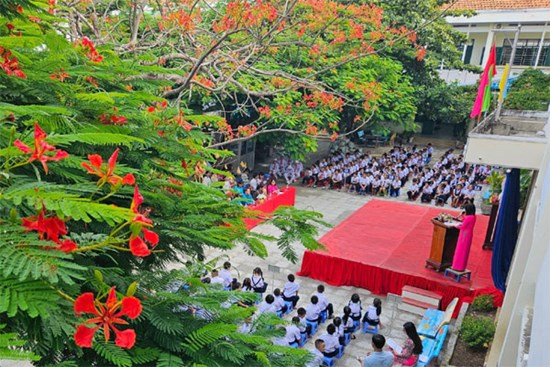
(483, 303)
(477, 332)
(530, 91)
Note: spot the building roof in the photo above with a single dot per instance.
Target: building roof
(500, 4)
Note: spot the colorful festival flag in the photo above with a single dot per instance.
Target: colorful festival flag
(503, 80)
(483, 99)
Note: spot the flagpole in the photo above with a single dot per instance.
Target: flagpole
(512, 55)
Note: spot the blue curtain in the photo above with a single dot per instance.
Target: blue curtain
(506, 232)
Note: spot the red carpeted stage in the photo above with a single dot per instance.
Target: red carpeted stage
(384, 246)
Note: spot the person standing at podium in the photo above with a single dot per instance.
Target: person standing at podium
(465, 237)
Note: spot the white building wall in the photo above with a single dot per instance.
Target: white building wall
(522, 289)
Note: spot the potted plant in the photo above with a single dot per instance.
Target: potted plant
(490, 197)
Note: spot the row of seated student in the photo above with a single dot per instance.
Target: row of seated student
(316, 312)
(450, 176)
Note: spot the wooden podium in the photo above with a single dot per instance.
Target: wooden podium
(443, 246)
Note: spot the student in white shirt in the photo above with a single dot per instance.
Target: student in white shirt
(216, 279)
(257, 280)
(225, 273)
(317, 354)
(372, 316)
(313, 310)
(293, 331)
(355, 306)
(332, 343)
(267, 305)
(414, 190)
(279, 301)
(323, 302)
(290, 290)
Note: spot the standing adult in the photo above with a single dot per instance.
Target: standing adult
(465, 237)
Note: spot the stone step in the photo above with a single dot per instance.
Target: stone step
(422, 295)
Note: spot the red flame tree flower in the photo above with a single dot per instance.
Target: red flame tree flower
(106, 316)
(107, 174)
(40, 149)
(138, 245)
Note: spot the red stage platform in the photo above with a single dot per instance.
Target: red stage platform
(384, 246)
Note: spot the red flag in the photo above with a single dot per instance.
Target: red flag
(484, 84)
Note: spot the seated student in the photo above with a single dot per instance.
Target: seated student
(323, 302)
(355, 306)
(340, 330)
(267, 305)
(308, 177)
(414, 190)
(247, 198)
(279, 301)
(375, 185)
(261, 196)
(216, 279)
(468, 193)
(272, 188)
(317, 354)
(246, 326)
(292, 334)
(337, 180)
(290, 290)
(427, 193)
(395, 187)
(372, 316)
(257, 281)
(332, 343)
(347, 321)
(456, 196)
(378, 358)
(313, 310)
(442, 194)
(364, 184)
(225, 273)
(304, 327)
(354, 183)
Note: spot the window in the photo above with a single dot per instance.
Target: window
(526, 52)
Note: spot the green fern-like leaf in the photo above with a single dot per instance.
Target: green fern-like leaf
(95, 139)
(206, 335)
(113, 354)
(10, 348)
(169, 360)
(32, 296)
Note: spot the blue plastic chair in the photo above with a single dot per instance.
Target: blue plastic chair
(356, 325)
(371, 329)
(293, 345)
(280, 313)
(323, 316)
(328, 361)
(303, 339)
(340, 352)
(289, 307)
(314, 326)
(347, 338)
